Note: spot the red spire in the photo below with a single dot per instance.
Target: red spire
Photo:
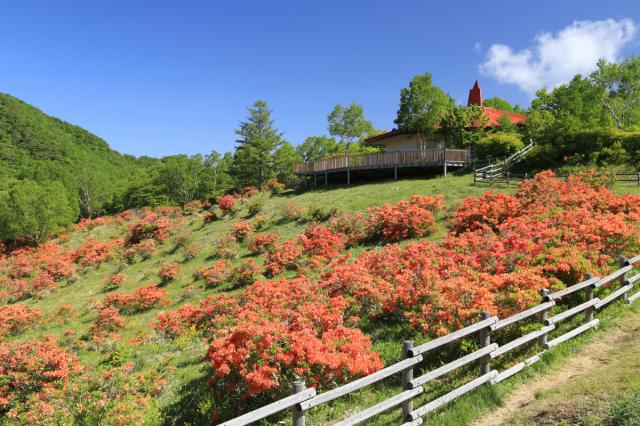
(475, 95)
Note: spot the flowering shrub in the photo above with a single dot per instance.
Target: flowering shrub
(291, 211)
(241, 229)
(31, 372)
(168, 271)
(140, 300)
(65, 313)
(287, 255)
(114, 280)
(226, 247)
(406, 219)
(15, 319)
(283, 330)
(320, 243)
(94, 252)
(489, 209)
(352, 225)
(152, 227)
(226, 203)
(259, 244)
(108, 321)
(217, 274)
(275, 187)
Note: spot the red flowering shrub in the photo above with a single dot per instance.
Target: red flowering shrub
(108, 321)
(114, 280)
(226, 247)
(168, 271)
(287, 255)
(31, 372)
(226, 203)
(489, 209)
(281, 330)
(275, 187)
(15, 319)
(213, 312)
(140, 300)
(352, 225)
(406, 219)
(259, 244)
(152, 227)
(320, 243)
(65, 313)
(241, 229)
(94, 252)
(217, 274)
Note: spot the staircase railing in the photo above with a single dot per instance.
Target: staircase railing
(500, 170)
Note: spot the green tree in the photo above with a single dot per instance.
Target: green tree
(253, 161)
(316, 148)
(31, 211)
(462, 126)
(183, 178)
(422, 107)
(95, 190)
(619, 90)
(498, 144)
(285, 158)
(499, 103)
(348, 124)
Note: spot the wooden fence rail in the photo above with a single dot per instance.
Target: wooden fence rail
(303, 400)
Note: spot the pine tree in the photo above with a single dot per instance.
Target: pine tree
(254, 159)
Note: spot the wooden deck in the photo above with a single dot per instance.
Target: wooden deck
(386, 160)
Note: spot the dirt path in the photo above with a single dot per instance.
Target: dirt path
(530, 399)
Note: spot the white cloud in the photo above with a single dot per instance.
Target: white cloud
(555, 59)
(477, 47)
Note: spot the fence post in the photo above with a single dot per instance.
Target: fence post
(624, 262)
(589, 296)
(297, 413)
(542, 340)
(485, 340)
(407, 376)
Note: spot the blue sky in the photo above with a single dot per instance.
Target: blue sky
(165, 77)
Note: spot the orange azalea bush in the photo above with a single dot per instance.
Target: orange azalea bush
(31, 372)
(406, 219)
(168, 271)
(217, 274)
(140, 300)
(241, 229)
(226, 203)
(15, 319)
(262, 243)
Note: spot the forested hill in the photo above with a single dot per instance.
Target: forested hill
(46, 155)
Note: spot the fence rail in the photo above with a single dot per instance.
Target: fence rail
(304, 400)
(418, 158)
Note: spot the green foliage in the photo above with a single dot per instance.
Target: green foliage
(316, 148)
(348, 124)
(499, 103)
(618, 85)
(422, 106)
(30, 210)
(184, 179)
(254, 159)
(499, 144)
(285, 158)
(462, 126)
(625, 411)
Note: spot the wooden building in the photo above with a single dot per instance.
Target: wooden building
(402, 150)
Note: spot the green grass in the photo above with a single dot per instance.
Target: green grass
(185, 399)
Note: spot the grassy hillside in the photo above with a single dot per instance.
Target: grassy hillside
(174, 387)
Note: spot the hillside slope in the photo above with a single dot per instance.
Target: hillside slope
(36, 146)
(129, 295)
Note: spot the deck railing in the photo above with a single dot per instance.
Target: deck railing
(418, 158)
(548, 335)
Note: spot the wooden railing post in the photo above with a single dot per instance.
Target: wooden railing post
(485, 340)
(407, 376)
(589, 296)
(623, 278)
(542, 340)
(297, 413)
